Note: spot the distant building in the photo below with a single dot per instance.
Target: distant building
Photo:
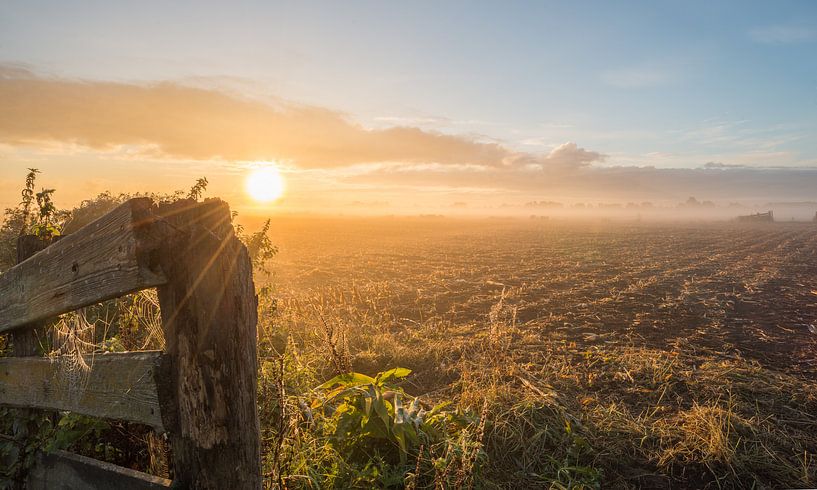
(766, 217)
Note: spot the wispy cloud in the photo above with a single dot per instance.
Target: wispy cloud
(714, 181)
(435, 122)
(784, 34)
(722, 165)
(738, 135)
(415, 120)
(636, 77)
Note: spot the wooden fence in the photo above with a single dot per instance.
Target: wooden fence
(201, 390)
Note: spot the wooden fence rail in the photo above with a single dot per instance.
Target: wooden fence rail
(106, 259)
(201, 390)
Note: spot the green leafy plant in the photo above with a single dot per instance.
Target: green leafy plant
(28, 197)
(78, 432)
(25, 432)
(22, 434)
(198, 189)
(259, 245)
(45, 227)
(371, 416)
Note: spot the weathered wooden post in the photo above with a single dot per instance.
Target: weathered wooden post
(201, 390)
(25, 343)
(209, 315)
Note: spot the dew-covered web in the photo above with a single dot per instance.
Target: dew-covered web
(130, 323)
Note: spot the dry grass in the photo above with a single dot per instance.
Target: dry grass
(649, 377)
(623, 416)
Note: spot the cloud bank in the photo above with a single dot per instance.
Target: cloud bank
(184, 122)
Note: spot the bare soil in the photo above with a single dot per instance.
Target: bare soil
(735, 289)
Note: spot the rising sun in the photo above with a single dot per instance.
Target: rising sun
(265, 184)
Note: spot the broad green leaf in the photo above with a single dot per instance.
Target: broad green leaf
(381, 407)
(369, 398)
(348, 380)
(391, 374)
(400, 436)
(438, 408)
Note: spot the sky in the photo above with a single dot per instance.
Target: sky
(405, 106)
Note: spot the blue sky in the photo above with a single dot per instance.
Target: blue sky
(664, 84)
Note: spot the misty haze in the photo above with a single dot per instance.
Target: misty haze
(409, 245)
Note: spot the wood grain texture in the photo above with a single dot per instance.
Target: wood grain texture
(209, 318)
(61, 470)
(108, 258)
(26, 341)
(118, 386)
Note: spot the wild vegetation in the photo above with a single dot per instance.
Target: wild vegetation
(419, 353)
(581, 354)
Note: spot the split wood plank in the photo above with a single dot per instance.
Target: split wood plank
(110, 257)
(118, 386)
(63, 470)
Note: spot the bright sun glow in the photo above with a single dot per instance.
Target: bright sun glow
(265, 184)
